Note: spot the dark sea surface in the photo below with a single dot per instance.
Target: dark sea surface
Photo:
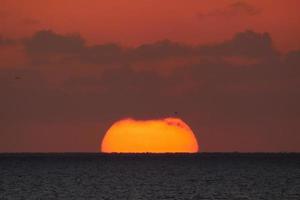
(167, 176)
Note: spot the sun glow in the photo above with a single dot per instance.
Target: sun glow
(170, 135)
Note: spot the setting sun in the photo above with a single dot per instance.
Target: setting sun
(170, 135)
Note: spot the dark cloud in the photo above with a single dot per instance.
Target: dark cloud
(244, 7)
(106, 53)
(6, 41)
(47, 42)
(219, 99)
(293, 58)
(44, 43)
(248, 43)
(236, 9)
(161, 50)
(72, 48)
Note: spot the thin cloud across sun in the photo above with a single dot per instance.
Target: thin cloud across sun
(169, 135)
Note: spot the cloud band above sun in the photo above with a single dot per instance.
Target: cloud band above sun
(169, 135)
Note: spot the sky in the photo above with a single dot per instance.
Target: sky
(71, 68)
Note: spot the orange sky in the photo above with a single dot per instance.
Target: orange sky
(139, 21)
(61, 91)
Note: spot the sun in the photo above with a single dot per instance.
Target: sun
(169, 135)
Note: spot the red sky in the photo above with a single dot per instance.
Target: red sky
(140, 21)
(70, 68)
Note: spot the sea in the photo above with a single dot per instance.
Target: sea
(200, 176)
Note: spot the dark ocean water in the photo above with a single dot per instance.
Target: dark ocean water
(178, 176)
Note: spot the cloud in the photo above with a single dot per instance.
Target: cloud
(106, 82)
(48, 42)
(248, 43)
(6, 41)
(43, 44)
(105, 53)
(237, 9)
(49, 48)
(244, 7)
(293, 58)
(161, 50)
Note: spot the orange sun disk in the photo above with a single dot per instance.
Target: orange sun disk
(170, 135)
